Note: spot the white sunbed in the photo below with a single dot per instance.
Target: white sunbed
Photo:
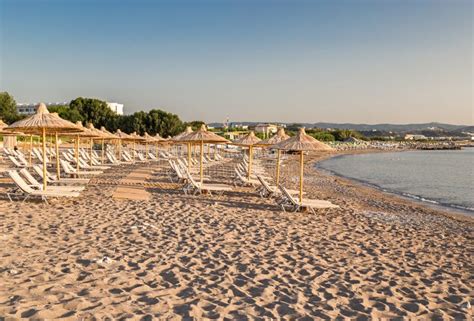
(83, 164)
(30, 192)
(53, 178)
(16, 162)
(68, 169)
(209, 188)
(37, 185)
(267, 190)
(295, 205)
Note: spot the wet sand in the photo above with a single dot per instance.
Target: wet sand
(235, 256)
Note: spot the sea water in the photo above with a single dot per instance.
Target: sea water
(444, 177)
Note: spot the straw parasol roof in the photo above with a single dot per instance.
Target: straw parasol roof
(152, 139)
(2, 125)
(137, 137)
(275, 139)
(180, 136)
(202, 135)
(158, 138)
(123, 136)
(43, 120)
(6, 132)
(84, 132)
(248, 140)
(109, 134)
(100, 134)
(302, 142)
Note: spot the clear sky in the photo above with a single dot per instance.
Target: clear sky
(292, 61)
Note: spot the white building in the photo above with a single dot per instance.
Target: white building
(266, 129)
(116, 107)
(30, 109)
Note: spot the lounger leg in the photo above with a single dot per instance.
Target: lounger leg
(26, 197)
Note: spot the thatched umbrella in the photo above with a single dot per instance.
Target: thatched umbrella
(41, 123)
(123, 137)
(249, 140)
(10, 133)
(279, 137)
(179, 139)
(136, 138)
(110, 136)
(158, 140)
(301, 143)
(85, 133)
(148, 139)
(101, 136)
(202, 136)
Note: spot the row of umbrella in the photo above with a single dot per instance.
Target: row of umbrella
(43, 123)
(300, 143)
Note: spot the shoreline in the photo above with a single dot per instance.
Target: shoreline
(443, 209)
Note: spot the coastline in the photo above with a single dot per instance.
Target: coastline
(443, 209)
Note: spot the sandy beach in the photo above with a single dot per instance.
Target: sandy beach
(234, 256)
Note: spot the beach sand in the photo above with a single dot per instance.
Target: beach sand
(235, 256)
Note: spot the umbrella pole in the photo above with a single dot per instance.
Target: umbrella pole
(58, 171)
(200, 169)
(146, 150)
(77, 153)
(301, 176)
(250, 161)
(156, 150)
(90, 151)
(278, 167)
(133, 152)
(189, 156)
(31, 148)
(102, 151)
(44, 159)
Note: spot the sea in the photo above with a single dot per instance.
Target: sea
(443, 178)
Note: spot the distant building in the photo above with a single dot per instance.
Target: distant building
(415, 137)
(30, 109)
(266, 129)
(239, 126)
(116, 107)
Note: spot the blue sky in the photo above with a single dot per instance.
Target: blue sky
(292, 61)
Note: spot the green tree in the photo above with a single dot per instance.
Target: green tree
(8, 112)
(66, 112)
(195, 124)
(323, 136)
(93, 110)
(164, 123)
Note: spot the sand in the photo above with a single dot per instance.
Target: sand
(234, 257)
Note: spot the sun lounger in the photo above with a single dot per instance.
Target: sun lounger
(68, 169)
(28, 191)
(294, 205)
(267, 190)
(241, 180)
(16, 162)
(53, 178)
(83, 164)
(209, 188)
(37, 185)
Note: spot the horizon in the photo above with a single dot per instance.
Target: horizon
(363, 62)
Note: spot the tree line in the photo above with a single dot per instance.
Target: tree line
(96, 111)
